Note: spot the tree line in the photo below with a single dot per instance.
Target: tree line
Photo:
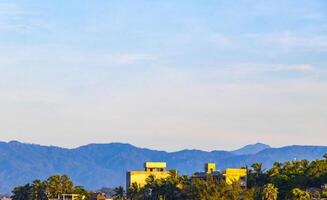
(51, 188)
(292, 180)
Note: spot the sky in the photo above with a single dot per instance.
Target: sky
(164, 74)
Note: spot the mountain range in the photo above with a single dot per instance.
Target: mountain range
(105, 165)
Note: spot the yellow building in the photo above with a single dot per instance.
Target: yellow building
(230, 175)
(210, 168)
(156, 169)
(234, 174)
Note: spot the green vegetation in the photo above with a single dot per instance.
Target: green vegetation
(270, 192)
(290, 180)
(50, 188)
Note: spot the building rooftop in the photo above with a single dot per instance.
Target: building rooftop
(155, 165)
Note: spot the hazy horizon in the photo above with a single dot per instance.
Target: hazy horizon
(154, 148)
(105, 143)
(164, 74)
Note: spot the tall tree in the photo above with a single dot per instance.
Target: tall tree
(66, 184)
(119, 193)
(257, 168)
(38, 191)
(53, 186)
(22, 192)
(259, 176)
(133, 192)
(57, 185)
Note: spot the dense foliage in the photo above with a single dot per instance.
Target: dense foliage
(298, 179)
(48, 189)
(295, 180)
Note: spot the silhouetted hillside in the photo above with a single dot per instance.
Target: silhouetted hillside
(105, 165)
(251, 149)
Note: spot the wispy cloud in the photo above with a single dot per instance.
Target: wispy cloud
(127, 59)
(222, 40)
(245, 72)
(313, 16)
(65, 56)
(196, 71)
(10, 9)
(290, 40)
(14, 18)
(268, 67)
(11, 17)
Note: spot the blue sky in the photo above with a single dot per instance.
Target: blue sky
(164, 74)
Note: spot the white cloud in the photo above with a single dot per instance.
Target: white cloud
(271, 67)
(245, 72)
(128, 59)
(312, 16)
(65, 56)
(48, 92)
(298, 67)
(180, 113)
(12, 17)
(10, 9)
(15, 18)
(172, 106)
(222, 40)
(289, 40)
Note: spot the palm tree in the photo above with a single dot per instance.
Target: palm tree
(259, 178)
(66, 184)
(257, 167)
(119, 193)
(133, 191)
(38, 191)
(298, 194)
(22, 192)
(270, 192)
(53, 186)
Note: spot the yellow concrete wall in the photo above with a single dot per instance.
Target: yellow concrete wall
(140, 177)
(155, 165)
(233, 175)
(210, 167)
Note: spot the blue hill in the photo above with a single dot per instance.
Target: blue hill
(251, 149)
(99, 165)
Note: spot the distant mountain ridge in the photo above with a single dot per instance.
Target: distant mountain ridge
(99, 165)
(251, 149)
